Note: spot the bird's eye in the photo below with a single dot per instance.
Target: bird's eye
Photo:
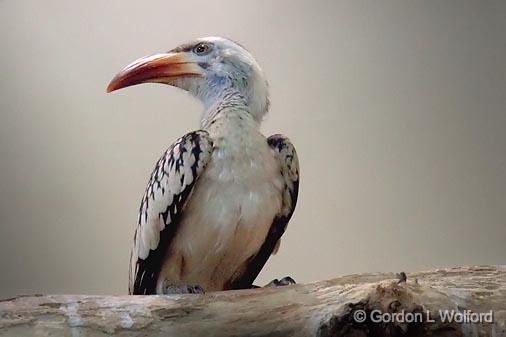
(201, 49)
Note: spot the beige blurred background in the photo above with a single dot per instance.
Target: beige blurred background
(397, 110)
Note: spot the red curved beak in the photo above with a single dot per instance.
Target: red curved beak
(158, 68)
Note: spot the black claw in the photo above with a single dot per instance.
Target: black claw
(196, 289)
(402, 277)
(285, 281)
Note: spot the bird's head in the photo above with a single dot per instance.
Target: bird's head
(207, 68)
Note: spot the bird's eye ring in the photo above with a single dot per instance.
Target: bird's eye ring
(202, 48)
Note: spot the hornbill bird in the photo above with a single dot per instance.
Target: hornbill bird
(220, 198)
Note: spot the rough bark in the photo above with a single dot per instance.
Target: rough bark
(324, 308)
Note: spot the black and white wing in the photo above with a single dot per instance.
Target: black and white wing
(285, 152)
(168, 190)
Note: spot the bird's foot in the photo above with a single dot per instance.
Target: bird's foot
(285, 281)
(402, 277)
(186, 289)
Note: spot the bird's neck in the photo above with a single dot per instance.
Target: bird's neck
(228, 106)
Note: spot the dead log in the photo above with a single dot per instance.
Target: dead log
(476, 296)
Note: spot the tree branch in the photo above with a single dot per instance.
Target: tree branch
(325, 308)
